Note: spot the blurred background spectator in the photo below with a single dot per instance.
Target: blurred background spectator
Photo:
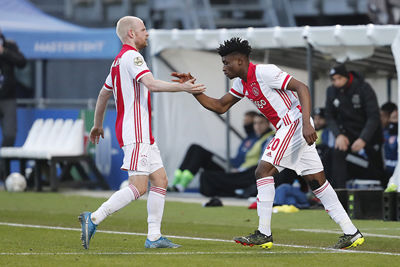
(389, 119)
(352, 114)
(221, 183)
(197, 157)
(10, 58)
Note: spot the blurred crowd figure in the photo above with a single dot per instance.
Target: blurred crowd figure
(214, 180)
(352, 115)
(384, 11)
(197, 157)
(389, 120)
(10, 58)
(222, 183)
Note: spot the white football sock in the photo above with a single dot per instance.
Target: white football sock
(265, 200)
(334, 208)
(117, 201)
(155, 210)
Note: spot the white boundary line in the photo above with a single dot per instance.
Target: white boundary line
(164, 253)
(338, 232)
(183, 237)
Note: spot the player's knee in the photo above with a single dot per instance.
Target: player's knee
(316, 180)
(163, 183)
(142, 190)
(258, 173)
(264, 170)
(314, 184)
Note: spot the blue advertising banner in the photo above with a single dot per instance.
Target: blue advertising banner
(86, 44)
(41, 36)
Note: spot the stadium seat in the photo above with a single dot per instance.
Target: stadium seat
(30, 141)
(54, 143)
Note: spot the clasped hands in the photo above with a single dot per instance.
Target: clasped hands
(188, 79)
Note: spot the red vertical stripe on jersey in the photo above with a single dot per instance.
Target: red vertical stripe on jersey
(149, 107)
(120, 104)
(135, 110)
(285, 81)
(139, 114)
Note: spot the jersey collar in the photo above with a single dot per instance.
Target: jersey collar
(128, 47)
(251, 72)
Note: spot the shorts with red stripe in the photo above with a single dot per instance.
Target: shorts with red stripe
(289, 149)
(141, 159)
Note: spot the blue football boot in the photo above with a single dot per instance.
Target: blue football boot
(88, 228)
(162, 242)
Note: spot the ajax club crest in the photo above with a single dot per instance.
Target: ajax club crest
(255, 90)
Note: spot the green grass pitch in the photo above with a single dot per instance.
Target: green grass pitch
(42, 229)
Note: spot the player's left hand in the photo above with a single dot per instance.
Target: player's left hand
(309, 134)
(182, 77)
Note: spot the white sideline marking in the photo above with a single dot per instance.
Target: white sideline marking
(164, 253)
(338, 232)
(182, 237)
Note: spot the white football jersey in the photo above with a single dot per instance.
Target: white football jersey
(132, 98)
(266, 88)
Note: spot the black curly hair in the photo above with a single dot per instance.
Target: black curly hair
(234, 45)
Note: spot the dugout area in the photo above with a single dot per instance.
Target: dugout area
(306, 52)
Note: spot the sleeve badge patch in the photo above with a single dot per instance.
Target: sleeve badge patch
(138, 61)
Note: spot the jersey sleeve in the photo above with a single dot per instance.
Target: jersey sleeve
(237, 89)
(273, 76)
(137, 66)
(108, 83)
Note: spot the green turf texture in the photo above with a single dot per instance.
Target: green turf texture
(49, 247)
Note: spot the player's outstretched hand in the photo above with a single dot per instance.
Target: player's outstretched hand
(309, 134)
(95, 134)
(192, 88)
(182, 77)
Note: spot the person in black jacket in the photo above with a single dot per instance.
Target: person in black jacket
(352, 114)
(10, 57)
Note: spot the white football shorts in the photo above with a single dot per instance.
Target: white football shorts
(289, 149)
(141, 159)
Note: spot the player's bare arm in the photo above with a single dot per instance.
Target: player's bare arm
(305, 100)
(161, 86)
(97, 129)
(220, 105)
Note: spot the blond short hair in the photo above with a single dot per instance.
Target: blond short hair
(124, 25)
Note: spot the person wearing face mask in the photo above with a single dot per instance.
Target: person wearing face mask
(219, 183)
(198, 157)
(10, 57)
(390, 142)
(352, 114)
